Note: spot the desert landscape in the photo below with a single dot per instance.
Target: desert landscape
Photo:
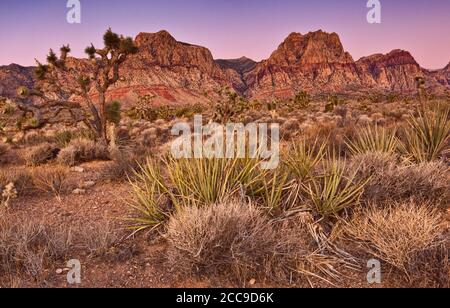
(86, 170)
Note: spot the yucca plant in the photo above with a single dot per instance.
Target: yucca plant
(149, 197)
(333, 192)
(427, 135)
(302, 159)
(275, 189)
(212, 180)
(374, 139)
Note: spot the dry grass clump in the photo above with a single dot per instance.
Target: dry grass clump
(390, 179)
(52, 179)
(122, 166)
(240, 240)
(397, 234)
(21, 178)
(83, 150)
(41, 154)
(28, 246)
(97, 238)
(230, 237)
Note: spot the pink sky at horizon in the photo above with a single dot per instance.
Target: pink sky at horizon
(230, 29)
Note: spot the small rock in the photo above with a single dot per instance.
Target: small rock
(78, 169)
(59, 271)
(88, 184)
(79, 191)
(252, 282)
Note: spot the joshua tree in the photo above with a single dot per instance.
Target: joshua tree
(80, 90)
(229, 106)
(420, 85)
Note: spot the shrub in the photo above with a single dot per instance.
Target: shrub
(51, 180)
(427, 136)
(27, 246)
(390, 180)
(302, 99)
(238, 239)
(41, 154)
(396, 234)
(122, 165)
(21, 178)
(373, 140)
(82, 150)
(232, 237)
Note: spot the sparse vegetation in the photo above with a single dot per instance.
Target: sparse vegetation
(41, 154)
(82, 150)
(427, 136)
(397, 234)
(374, 139)
(51, 180)
(367, 172)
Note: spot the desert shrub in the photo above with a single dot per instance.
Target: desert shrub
(64, 137)
(239, 240)
(82, 150)
(21, 179)
(333, 102)
(302, 100)
(97, 238)
(397, 234)
(8, 193)
(29, 246)
(427, 136)
(41, 154)
(52, 179)
(232, 237)
(374, 139)
(333, 191)
(391, 180)
(122, 165)
(35, 138)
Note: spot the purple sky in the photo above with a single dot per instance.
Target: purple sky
(229, 28)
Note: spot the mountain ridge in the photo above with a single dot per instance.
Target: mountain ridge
(317, 62)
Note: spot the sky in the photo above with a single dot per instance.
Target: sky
(229, 28)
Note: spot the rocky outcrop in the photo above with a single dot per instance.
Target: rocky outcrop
(13, 76)
(313, 62)
(317, 62)
(174, 72)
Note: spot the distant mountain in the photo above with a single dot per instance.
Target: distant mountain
(182, 73)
